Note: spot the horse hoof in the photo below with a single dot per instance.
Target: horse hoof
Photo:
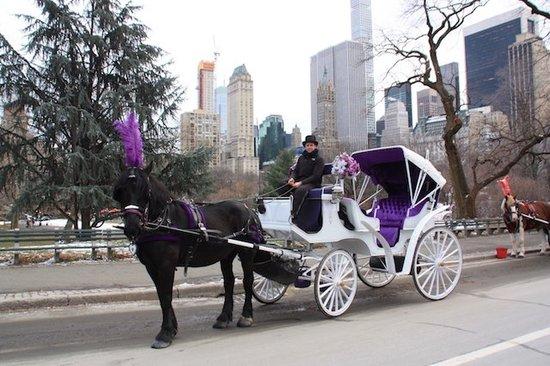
(157, 344)
(542, 253)
(520, 256)
(221, 324)
(245, 322)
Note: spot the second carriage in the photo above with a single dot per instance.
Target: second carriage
(334, 241)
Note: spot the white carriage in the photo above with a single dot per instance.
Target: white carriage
(397, 236)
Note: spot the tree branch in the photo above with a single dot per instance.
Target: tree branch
(535, 9)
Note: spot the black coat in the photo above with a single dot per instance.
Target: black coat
(309, 168)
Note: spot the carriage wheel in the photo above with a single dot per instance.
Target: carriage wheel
(267, 291)
(437, 263)
(335, 283)
(368, 276)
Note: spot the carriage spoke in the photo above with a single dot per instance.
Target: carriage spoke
(327, 291)
(431, 271)
(350, 271)
(431, 259)
(340, 301)
(446, 275)
(434, 273)
(446, 250)
(332, 299)
(426, 271)
(429, 250)
(450, 262)
(264, 284)
(433, 246)
(437, 282)
(443, 273)
(450, 269)
(450, 254)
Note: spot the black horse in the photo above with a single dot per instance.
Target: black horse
(143, 200)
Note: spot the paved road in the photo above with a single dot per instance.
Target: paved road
(495, 302)
(91, 275)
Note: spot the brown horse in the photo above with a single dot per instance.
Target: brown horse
(520, 216)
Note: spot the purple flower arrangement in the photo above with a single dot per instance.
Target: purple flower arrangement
(345, 166)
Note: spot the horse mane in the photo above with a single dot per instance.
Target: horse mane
(159, 196)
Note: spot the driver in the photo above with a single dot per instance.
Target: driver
(307, 174)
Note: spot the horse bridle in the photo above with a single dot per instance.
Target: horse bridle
(135, 209)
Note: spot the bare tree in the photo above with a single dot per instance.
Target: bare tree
(421, 51)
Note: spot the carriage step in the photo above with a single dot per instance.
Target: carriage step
(378, 264)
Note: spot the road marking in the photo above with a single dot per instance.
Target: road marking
(487, 351)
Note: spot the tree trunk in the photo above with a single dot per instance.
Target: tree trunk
(471, 211)
(461, 191)
(15, 220)
(86, 217)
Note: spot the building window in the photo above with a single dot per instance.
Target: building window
(531, 26)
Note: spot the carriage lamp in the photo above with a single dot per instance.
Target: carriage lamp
(337, 193)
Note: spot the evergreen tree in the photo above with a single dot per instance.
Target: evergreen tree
(279, 172)
(83, 66)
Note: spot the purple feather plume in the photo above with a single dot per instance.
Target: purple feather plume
(129, 133)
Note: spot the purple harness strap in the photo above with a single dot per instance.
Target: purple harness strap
(150, 237)
(195, 214)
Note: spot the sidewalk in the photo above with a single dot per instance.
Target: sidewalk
(42, 285)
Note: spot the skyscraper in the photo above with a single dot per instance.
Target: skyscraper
(344, 68)
(529, 64)
(326, 119)
(449, 73)
(206, 86)
(271, 138)
(486, 46)
(240, 155)
(361, 31)
(220, 94)
(428, 104)
(396, 131)
(348, 67)
(296, 138)
(200, 128)
(400, 92)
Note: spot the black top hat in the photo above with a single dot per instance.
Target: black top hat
(310, 138)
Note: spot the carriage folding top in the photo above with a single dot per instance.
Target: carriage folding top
(396, 169)
(409, 180)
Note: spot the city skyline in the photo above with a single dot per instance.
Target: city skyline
(275, 56)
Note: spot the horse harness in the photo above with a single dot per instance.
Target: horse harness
(196, 226)
(531, 215)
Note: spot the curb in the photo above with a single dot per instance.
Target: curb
(491, 255)
(42, 299)
(59, 298)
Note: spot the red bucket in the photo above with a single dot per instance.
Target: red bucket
(502, 252)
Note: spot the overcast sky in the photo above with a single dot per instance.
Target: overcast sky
(274, 39)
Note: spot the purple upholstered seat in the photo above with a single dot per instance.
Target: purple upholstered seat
(391, 212)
